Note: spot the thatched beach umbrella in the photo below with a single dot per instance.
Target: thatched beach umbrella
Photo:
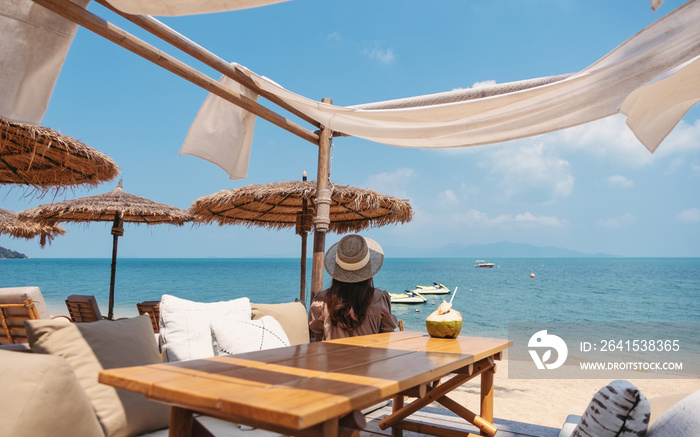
(279, 205)
(10, 224)
(115, 206)
(43, 158)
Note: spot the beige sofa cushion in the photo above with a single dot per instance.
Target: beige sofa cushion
(292, 316)
(20, 294)
(41, 396)
(106, 344)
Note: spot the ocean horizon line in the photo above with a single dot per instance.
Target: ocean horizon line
(386, 257)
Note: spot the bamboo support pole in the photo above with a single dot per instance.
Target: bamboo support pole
(203, 55)
(487, 396)
(117, 231)
(88, 20)
(323, 199)
(485, 427)
(303, 232)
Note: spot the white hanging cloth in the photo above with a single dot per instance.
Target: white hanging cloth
(33, 46)
(652, 78)
(185, 7)
(221, 122)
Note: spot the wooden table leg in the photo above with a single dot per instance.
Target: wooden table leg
(181, 420)
(330, 428)
(396, 405)
(487, 395)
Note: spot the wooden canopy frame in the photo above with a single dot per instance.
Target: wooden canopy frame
(321, 137)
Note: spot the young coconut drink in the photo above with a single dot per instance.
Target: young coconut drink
(444, 322)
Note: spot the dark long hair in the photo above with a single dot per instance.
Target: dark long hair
(347, 302)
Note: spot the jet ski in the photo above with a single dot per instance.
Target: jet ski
(408, 296)
(432, 289)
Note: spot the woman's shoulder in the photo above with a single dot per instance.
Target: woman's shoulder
(320, 295)
(380, 294)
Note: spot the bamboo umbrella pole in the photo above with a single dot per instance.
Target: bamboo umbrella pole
(203, 55)
(88, 20)
(117, 231)
(303, 232)
(323, 201)
(302, 281)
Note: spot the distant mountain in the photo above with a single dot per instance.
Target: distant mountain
(11, 254)
(492, 250)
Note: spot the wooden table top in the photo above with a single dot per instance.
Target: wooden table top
(300, 386)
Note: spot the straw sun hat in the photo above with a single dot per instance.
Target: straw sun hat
(354, 259)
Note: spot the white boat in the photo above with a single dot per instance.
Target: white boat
(409, 296)
(432, 289)
(481, 263)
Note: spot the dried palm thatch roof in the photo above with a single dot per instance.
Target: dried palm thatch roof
(43, 158)
(275, 206)
(114, 206)
(10, 224)
(103, 207)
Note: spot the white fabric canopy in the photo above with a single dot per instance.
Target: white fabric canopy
(185, 7)
(33, 46)
(652, 78)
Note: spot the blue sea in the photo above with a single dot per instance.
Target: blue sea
(562, 290)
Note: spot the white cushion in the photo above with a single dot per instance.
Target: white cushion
(681, 420)
(184, 325)
(569, 425)
(235, 336)
(220, 428)
(617, 409)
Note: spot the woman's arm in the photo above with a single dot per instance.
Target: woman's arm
(316, 319)
(389, 321)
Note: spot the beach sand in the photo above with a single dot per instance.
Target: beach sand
(547, 402)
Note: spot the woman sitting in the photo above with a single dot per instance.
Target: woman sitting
(352, 306)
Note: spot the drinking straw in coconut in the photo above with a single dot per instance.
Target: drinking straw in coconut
(453, 295)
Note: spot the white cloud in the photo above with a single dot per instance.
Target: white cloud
(691, 216)
(474, 218)
(695, 168)
(616, 222)
(448, 197)
(608, 138)
(481, 84)
(531, 172)
(335, 36)
(392, 183)
(675, 165)
(620, 181)
(385, 56)
(484, 83)
(682, 139)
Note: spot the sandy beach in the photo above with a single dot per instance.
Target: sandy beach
(547, 402)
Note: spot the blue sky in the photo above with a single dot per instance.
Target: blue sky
(592, 188)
